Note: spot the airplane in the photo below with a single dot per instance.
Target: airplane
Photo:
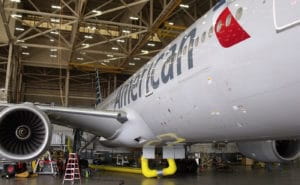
(232, 76)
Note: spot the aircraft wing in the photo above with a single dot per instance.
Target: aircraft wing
(99, 122)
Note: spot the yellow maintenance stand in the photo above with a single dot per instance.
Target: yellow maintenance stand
(145, 170)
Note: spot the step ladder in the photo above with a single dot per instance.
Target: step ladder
(72, 172)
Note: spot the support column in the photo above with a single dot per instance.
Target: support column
(67, 84)
(108, 86)
(115, 82)
(19, 88)
(8, 70)
(151, 12)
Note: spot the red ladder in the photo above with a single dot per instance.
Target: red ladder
(72, 172)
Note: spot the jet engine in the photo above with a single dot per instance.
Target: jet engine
(25, 132)
(270, 150)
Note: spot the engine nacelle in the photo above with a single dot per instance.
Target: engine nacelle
(25, 132)
(270, 150)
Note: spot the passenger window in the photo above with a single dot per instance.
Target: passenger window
(210, 31)
(203, 36)
(197, 42)
(239, 13)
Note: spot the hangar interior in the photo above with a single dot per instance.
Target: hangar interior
(51, 52)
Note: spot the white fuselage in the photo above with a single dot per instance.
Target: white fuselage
(247, 91)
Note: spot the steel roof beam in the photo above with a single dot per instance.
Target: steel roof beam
(163, 16)
(116, 9)
(45, 14)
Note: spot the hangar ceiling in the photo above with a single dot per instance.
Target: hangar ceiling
(115, 36)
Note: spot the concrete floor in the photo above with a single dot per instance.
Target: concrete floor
(239, 176)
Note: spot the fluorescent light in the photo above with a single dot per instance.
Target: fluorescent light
(131, 64)
(16, 16)
(97, 12)
(83, 53)
(53, 56)
(151, 44)
(54, 20)
(91, 28)
(25, 53)
(109, 55)
(54, 32)
(121, 40)
(145, 51)
(53, 49)
(19, 29)
(16, 1)
(106, 61)
(125, 31)
(115, 48)
(85, 45)
(79, 58)
(184, 5)
(136, 58)
(25, 47)
(51, 40)
(88, 36)
(20, 41)
(171, 23)
(133, 18)
(56, 7)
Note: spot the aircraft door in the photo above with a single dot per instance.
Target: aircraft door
(286, 14)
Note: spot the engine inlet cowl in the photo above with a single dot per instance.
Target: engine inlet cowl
(24, 132)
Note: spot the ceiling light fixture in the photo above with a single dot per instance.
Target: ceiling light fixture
(16, 16)
(97, 12)
(88, 36)
(133, 18)
(115, 48)
(54, 32)
(121, 40)
(145, 51)
(151, 44)
(53, 56)
(54, 20)
(184, 5)
(56, 7)
(131, 64)
(19, 29)
(125, 31)
(25, 53)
